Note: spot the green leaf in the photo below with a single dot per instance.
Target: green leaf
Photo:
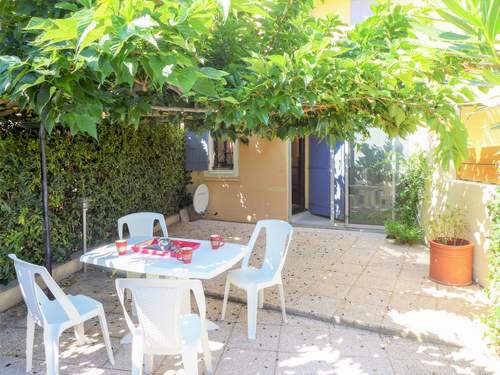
(205, 86)
(213, 73)
(43, 97)
(278, 60)
(184, 78)
(492, 76)
(144, 22)
(67, 6)
(229, 99)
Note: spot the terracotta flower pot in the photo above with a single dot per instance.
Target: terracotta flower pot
(451, 264)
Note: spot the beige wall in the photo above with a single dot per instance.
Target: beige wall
(260, 191)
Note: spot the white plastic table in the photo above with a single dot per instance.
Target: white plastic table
(206, 263)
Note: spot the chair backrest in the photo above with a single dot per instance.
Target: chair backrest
(158, 303)
(33, 295)
(278, 238)
(141, 224)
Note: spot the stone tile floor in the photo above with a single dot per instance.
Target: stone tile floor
(340, 279)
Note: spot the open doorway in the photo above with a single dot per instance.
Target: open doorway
(298, 176)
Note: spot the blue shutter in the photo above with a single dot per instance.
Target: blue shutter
(196, 151)
(319, 177)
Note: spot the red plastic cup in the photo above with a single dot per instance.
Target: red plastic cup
(216, 240)
(121, 246)
(187, 255)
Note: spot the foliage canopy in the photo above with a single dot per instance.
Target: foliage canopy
(265, 68)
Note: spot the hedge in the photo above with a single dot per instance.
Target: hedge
(125, 171)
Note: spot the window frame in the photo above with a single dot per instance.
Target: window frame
(222, 172)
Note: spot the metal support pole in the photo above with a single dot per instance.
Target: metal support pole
(85, 207)
(45, 200)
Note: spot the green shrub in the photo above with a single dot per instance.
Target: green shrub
(403, 233)
(125, 171)
(410, 194)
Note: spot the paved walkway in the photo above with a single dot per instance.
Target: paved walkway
(302, 346)
(339, 278)
(363, 280)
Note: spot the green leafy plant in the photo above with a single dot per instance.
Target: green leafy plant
(259, 68)
(469, 30)
(410, 190)
(126, 171)
(493, 319)
(448, 227)
(403, 233)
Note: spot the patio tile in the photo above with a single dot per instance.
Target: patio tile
(263, 316)
(294, 320)
(409, 302)
(123, 360)
(172, 365)
(419, 367)
(323, 307)
(247, 362)
(361, 317)
(357, 342)
(13, 341)
(341, 267)
(402, 348)
(214, 308)
(87, 370)
(395, 265)
(472, 360)
(376, 282)
(358, 258)
(376, 299)
(417, 272)
(343, 277)
(14, 317)
(267, 337)
(317, 362)
(362, 365)
(116, 325)
(382, 271)
(424, 287)
(302, 339)
(17, 365)
(329, 288)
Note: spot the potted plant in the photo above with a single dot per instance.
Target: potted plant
(450, 253)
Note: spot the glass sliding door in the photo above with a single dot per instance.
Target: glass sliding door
(372, 179)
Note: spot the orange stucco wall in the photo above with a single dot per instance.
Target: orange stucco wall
(261, 189)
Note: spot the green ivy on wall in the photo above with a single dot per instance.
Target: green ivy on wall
(493, 319)
(125, 171)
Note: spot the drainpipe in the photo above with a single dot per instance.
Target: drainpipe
(85, 207)
(45, 199)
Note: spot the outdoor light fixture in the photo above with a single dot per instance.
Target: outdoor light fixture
(85, 208)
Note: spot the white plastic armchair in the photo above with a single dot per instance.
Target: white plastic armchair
(141, 224)
(254, 280)
(162, 327)
(54, 316)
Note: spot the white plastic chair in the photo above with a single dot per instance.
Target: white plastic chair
(164, 327)
(254, 280)
(141, 224)
(54, 316)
